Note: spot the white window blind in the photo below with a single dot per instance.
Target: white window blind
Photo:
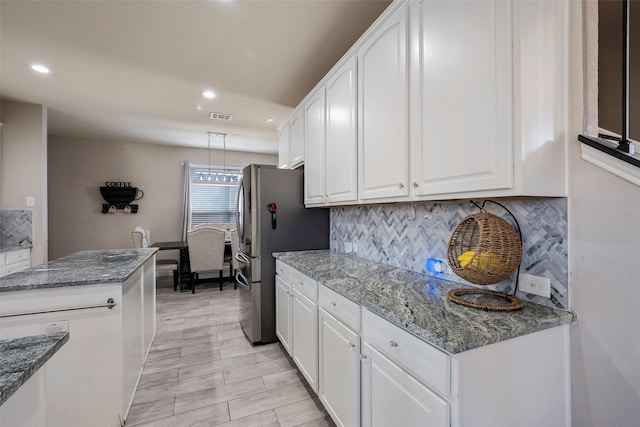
(213, 194)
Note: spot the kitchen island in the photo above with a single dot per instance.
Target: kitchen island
(105, 299)
(22, 363)
(382, 345)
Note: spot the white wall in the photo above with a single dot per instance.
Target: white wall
(24, 167)
(78, 167)
(604, 245)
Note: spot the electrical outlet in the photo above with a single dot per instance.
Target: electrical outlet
(348, 247)
(355, 248)
(31, 201)
(54, 327)
(535, 285)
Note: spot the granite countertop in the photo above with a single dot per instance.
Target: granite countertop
(14, 248)
(82, 268)
(20, 358)
(418, 302)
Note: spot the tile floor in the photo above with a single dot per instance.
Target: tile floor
(201, 370)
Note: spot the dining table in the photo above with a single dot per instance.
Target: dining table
(185, 270)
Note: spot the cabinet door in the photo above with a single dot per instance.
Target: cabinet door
(462, 97)
(392, 397)
(341, 138)
(283, 313)
(296, 139)
(305, 337)
(383, 120)
(339, 371)
(283, 147)
(314, 131)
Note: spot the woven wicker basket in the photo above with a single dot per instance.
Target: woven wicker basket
(484, 249)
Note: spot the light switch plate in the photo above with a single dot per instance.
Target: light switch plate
(535, 285)
(31, 201)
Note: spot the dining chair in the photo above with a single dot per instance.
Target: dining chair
(141, 237)
(206, 253)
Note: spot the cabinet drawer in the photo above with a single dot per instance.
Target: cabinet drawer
(429, 364)
(283, 270)
(15, 267)
(304, 284)
(17, 256)
(345, 310)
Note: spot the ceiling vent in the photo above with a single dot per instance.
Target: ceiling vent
(220, 116)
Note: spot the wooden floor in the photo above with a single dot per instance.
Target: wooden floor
(201, 370)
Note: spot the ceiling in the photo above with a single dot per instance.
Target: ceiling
(135, 70)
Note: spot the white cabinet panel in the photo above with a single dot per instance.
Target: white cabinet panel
(305, 337)
(283, 147)
(341, 135)
(462, 109)
(314, 139)
(392, 397)
(283, 313)
(339, 368)
(296, 139)
(383, 142)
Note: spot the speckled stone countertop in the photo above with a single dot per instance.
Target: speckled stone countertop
(20, 358)
(81, 268)
(13, 248)
(418, 303)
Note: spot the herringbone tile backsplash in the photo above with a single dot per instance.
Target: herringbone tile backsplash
(16, 227)
(406, 234)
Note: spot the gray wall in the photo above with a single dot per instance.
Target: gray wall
(78, 167)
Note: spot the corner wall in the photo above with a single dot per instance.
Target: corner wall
(604, 239)
(24, 167)
(78, 167)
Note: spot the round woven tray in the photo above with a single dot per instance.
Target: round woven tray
(511, 302)
(492, 248)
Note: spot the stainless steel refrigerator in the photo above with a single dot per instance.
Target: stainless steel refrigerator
(271, 218)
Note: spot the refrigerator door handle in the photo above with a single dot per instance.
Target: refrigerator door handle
(242, 281)
(242, 258)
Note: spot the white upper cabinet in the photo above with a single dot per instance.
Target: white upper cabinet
(453, 99)
(461, 97)
(283, 146)
(314, 137)
(341, 140)
(488, 99)
(296, 138)
(383, 142)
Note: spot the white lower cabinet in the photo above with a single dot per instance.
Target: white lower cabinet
(370, 372)
(14, 261)
(283, 313)
(392, 397)
(339, 380)
(305, 337)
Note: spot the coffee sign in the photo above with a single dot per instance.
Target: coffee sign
(118, 184)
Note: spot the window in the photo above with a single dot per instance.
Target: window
(213, 194)
(618, 90)
(619, 69)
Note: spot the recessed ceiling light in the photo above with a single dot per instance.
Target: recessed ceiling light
(209, 94)
(40, 68)
(269, 120)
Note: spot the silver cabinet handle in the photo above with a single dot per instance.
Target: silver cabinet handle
(401, 185)
(393, 344)
(332, 304)
(415, 185)
(352, 346)
(363, 357)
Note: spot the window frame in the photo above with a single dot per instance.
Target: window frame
(196, 216)
(607, 152)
